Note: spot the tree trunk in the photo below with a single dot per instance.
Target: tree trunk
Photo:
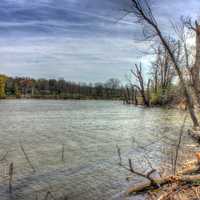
(196, 68)
(148, 92)
(135, 97)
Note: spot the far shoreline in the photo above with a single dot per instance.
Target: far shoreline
(57, 98)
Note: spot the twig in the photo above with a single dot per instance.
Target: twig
(179, 143)
(119, 154)
(147, 176)
(63, 152)
(11, 171)
(27, 158)
(49, 194)
(130, 165)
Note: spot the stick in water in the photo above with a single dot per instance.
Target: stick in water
(179, 144)
(11, 170)
(63, 152)
(119, 155)
(130, 165)
(27, 158)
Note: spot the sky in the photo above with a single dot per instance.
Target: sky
(78, 40)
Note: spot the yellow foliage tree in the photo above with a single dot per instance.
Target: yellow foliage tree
(3, 79)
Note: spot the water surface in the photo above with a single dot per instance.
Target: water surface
(89, 132)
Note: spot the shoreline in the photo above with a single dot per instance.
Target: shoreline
(169, 106)
(58, 98)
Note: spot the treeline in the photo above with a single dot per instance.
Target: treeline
(59, 89)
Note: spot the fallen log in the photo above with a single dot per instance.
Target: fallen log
(147, 185)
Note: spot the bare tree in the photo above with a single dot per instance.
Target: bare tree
(137, 73)
(183, 35)
(195, 70)
(127, 95)
(144, 15)
(162, 73)
(165, 68)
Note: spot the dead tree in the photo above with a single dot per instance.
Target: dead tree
(154, 73)
(183, 35)
(164, 72)
(132, 90)
(144, 15)
(137, 73)
(134, 95)
(127, 95)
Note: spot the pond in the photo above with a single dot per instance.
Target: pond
(72, 146)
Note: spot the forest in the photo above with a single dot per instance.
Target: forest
(58, 89)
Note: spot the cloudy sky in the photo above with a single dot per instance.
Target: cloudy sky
(78, 40)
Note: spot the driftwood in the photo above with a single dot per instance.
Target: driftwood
(146, 185)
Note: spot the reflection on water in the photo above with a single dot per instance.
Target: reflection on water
(89, 131)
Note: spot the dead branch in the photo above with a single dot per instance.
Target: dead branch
(63, 153)
(178, 145)
(137, 73)
(119, 154)
(27, 157)
(146, 176)
(11, 172)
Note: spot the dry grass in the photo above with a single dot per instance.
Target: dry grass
(176, 192)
